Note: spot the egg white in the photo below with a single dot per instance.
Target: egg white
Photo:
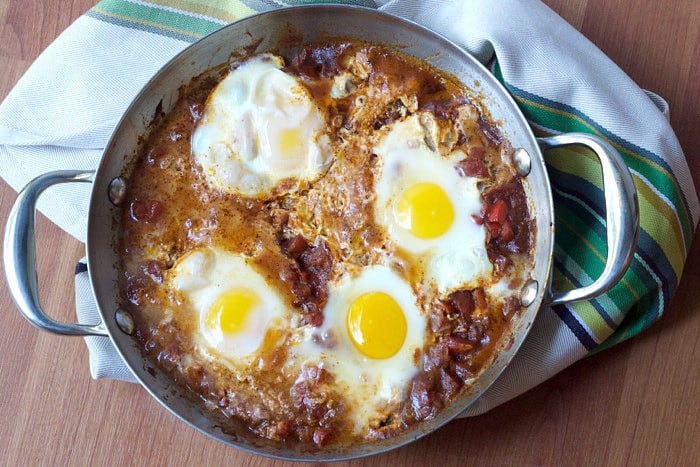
(201, 277)
(457, 259)
(240, 142)
(373, 387)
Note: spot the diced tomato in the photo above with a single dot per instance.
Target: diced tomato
(498, 212)
(471, 167)
(145, 211)
(480, 298)
(449, 382)
(297, 246)
(315, 319)
(321, 436)
(463, 301)
(288, 275)
(155, 208)
(283, 428)
(506, 233)
(458, 345)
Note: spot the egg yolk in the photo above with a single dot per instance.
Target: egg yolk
(289, 142)
(376, 325)
(231, 310)
(425, 210)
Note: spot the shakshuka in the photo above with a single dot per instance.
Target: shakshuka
(328, 245)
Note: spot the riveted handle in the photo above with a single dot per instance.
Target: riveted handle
(20, 254)
(622, 215)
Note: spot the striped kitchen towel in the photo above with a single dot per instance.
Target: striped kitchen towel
(561, 81)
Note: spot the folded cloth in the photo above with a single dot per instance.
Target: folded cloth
(62, 111)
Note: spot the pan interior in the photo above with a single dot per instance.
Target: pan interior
(273, 31)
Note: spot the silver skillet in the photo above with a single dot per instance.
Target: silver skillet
(271, 29)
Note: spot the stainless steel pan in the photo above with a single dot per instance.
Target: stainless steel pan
(271, 29)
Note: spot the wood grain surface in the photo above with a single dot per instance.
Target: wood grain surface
(636, 404)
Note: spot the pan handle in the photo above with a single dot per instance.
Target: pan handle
(20, 254)
(622, 215)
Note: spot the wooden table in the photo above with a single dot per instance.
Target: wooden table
(638, 403)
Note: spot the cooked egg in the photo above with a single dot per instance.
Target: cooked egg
(260, 126)
(370, 341)
(236, 309)
(426, 208)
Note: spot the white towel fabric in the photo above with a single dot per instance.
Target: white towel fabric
(61, 113)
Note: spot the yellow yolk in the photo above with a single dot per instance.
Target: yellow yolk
(425, 210)
(376, 325)
(289, 142)
(231, 310)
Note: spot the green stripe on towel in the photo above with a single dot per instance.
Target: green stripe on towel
(155, 19)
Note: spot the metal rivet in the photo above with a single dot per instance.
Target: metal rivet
(117, 190)
(125, 321)
(522, 162)
(529, 292)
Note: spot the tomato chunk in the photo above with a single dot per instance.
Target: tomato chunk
(472, 167)
(498, 212)
(145, 211)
